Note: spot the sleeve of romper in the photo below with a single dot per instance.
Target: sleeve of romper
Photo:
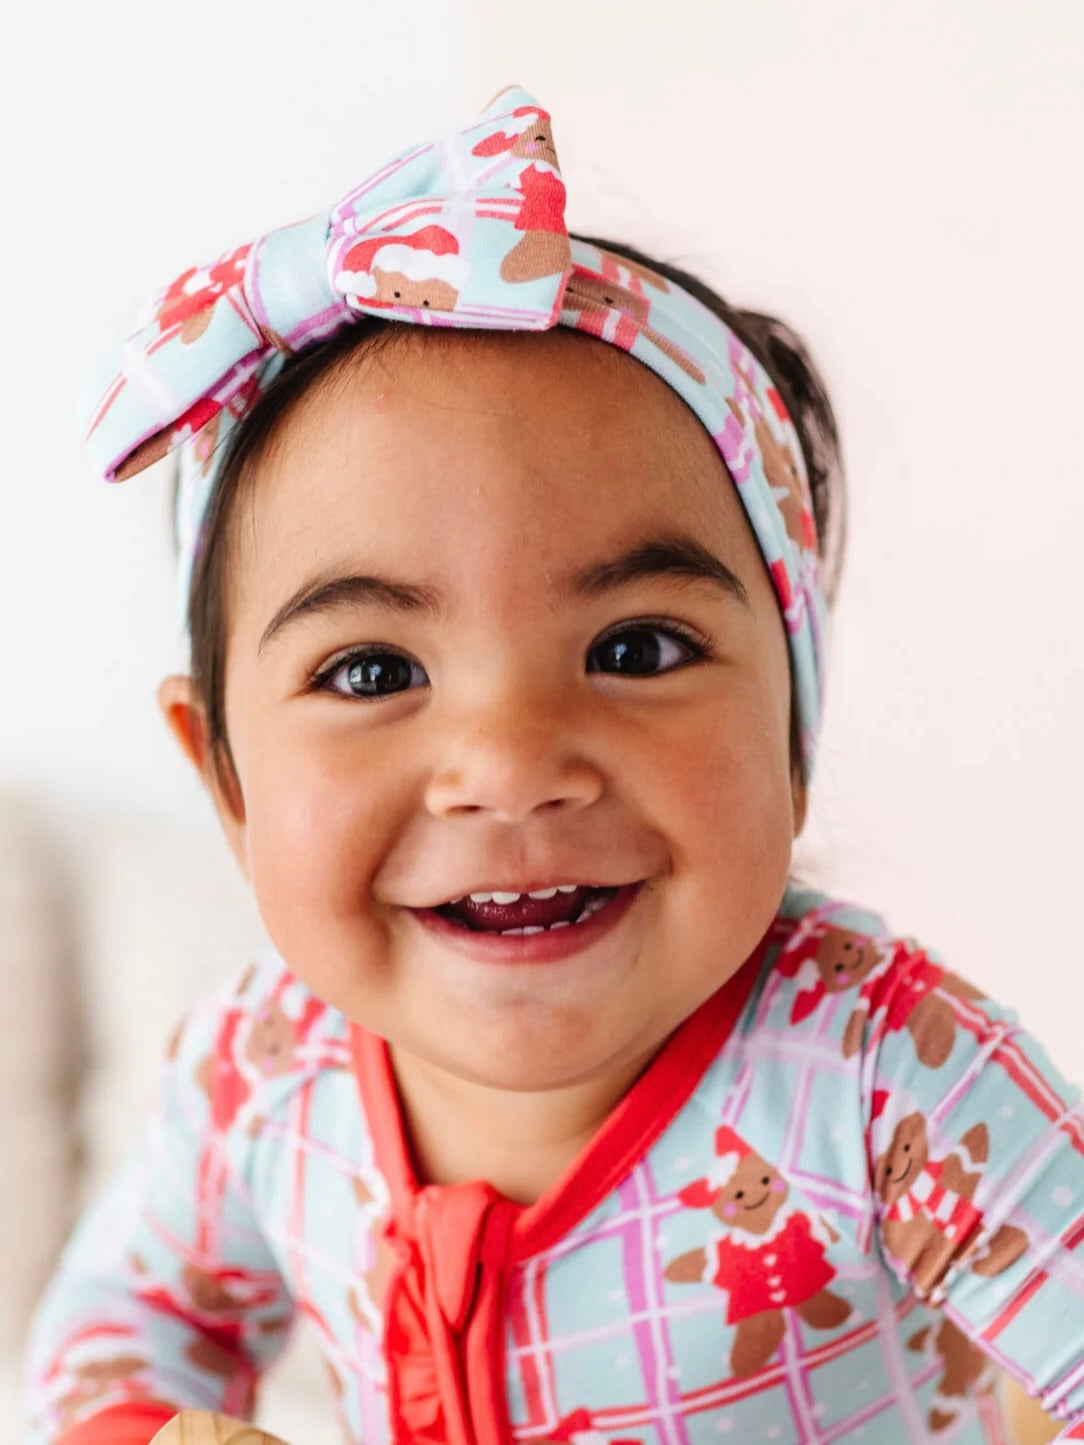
(976, 1153)
(167, 1295)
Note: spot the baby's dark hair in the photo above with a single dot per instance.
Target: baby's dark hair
(780, 351)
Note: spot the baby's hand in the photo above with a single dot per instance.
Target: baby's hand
(200, 1427)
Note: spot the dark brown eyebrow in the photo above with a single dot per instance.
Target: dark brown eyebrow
(326, 594)
(675, 554)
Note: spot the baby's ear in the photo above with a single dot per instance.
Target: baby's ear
(186, 717)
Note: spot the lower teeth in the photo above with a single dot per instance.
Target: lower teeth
(589, 909)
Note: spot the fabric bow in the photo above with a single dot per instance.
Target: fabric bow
(467, 230)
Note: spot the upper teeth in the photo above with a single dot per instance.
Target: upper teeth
(515, 897)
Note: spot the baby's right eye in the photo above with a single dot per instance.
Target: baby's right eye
(370, 674)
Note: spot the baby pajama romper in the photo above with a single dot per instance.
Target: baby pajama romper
(846, 1190)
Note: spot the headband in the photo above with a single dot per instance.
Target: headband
(464, 231)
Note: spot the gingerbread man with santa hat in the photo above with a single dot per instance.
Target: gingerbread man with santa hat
(769, 1254)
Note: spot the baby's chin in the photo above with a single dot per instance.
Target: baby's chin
(535, 1057)
(526, 1030)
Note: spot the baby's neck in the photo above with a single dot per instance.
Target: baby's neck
(521, 1143)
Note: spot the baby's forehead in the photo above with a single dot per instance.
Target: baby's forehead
(554, 385)
(421, 448)
(559, 357)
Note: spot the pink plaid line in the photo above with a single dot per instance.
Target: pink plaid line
(644, 1294)
(796, 1381)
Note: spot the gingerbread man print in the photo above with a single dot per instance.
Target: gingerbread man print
(965, 1371)
(190, 300)
(835, 959)
(367, 1294)
(597, 298)
(928, 1220)
(769, 1255)
(780, 468)
(542, 249)
(910, 994)
(252, 1048)
(422, 270)
(916, 995)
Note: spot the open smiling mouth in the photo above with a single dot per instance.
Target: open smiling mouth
(564, 905)
(544, 925)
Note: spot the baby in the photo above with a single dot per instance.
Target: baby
(560, 1110)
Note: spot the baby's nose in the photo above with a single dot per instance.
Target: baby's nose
(511, 762)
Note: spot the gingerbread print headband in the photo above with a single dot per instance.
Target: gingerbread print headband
(464, 231)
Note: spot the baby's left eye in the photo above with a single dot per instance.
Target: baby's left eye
(371, 674)
(642, 650)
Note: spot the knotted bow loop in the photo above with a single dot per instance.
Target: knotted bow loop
(467, 231)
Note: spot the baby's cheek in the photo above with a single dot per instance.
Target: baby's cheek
(308, 840)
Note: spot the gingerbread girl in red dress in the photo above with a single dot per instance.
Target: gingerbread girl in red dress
(770, 1257)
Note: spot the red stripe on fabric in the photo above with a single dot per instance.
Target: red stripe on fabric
(1015, 1305)
(164, 337)
(527, 1296)
(135, 1423)
(1069, 1241)
(1074, 1235)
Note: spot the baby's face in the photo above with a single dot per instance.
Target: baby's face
(506, 704)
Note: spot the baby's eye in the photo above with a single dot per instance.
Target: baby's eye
(642, 649)
(371, 675)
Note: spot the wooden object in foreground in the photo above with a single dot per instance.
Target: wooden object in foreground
(201, 1427)
(1029, 1424)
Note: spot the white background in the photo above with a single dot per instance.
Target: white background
(901, 182)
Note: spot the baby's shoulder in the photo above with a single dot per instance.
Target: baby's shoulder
(834, 968)
(252, 1042)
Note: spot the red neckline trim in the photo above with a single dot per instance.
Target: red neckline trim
(638, 1120)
